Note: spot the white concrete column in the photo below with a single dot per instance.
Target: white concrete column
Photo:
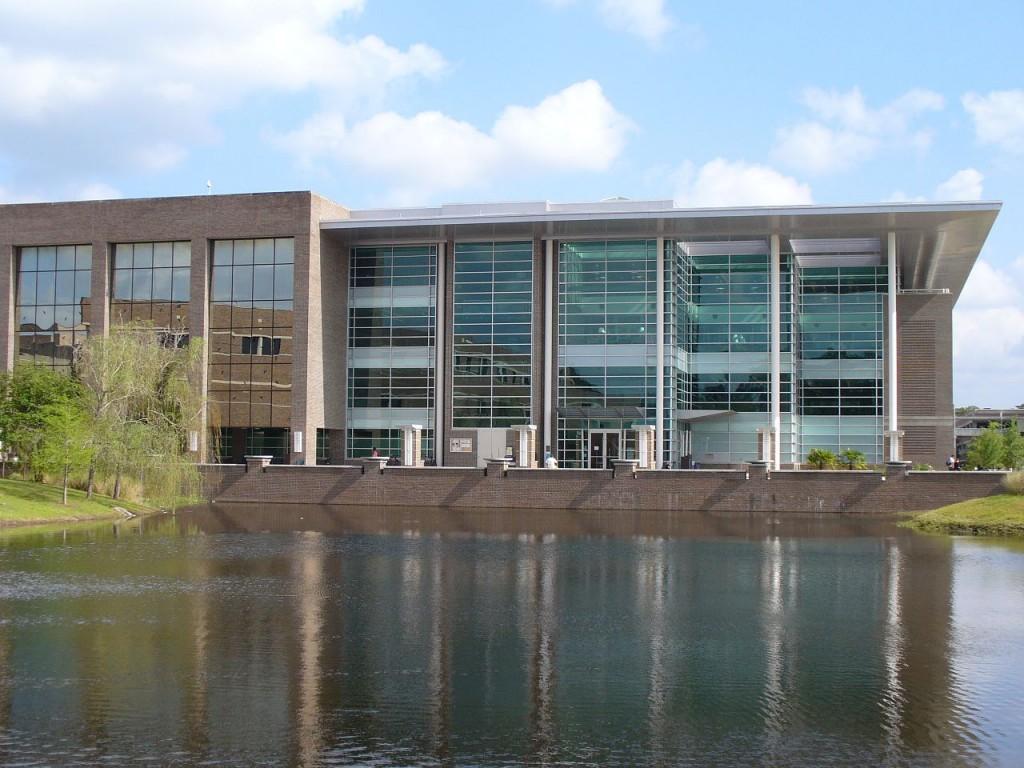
(776, 351)
(659, 440)
(411, 445)
(890, 350)
(765, 444)
(645, 446)
(440, 370)
(525, 452)
(550, 272)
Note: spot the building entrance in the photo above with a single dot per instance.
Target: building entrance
(605, 447)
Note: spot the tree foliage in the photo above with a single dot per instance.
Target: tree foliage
(25, 397)
(144, 391)
(1013, 447)
(853, 459)
(125, 412)
(820, 458)
(987, 449)
(65, 445)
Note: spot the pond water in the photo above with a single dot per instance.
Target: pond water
(316, 636)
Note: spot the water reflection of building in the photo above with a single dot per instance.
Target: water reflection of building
(426, 645)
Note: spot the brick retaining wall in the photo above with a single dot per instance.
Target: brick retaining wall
(684, 490)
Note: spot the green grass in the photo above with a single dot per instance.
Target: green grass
(1001, 515)
(23, 502)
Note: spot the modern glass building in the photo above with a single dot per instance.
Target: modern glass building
(727, 335)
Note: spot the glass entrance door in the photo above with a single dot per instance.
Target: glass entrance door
(605, 446)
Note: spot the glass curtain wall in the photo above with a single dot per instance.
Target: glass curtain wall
(492, 335)
(607, 358)
(842, 328)
(250, 381)
(391, 359)
(53, 302)
(152, 284)
(725, 325)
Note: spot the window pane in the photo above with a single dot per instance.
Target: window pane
(143, 255)
(263, 282)
(47, 258)
(162, 284)
(283, 286)
(142, 284)
(65, 257)
(162, 254)
(181, 284)
(263, 252)
(182, 254)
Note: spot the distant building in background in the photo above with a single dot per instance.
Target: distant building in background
(734, 333)
(970, 425)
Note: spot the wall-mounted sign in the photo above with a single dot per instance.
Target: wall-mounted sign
(461, 445)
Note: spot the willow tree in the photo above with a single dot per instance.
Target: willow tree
(144, 393)
(111, 371)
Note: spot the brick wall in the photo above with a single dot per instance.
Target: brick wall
(925, 369)
(736, 491)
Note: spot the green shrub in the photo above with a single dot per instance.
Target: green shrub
(1014, 483)
(986, 451)
(819, 458)
(1013, 447)
(922, 467)
(853, 459)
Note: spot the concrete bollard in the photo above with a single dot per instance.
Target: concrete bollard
(758, 470)
(496, 467)
(373, 464)
(257, 463)
(624, 468)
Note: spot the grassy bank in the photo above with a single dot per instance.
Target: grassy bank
(23, 503)
(1001, 515)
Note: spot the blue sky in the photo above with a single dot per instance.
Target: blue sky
(381, 102)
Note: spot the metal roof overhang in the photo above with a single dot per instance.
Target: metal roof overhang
(688, 417)
(937, 243)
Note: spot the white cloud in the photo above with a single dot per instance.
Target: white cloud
(965, 184)
(96, 190)
(988, 336)
(722, 183)
(107, 86)
(576, 129)
(646, 19)
(899, 196)
(962, 185)
(998, 118)
(844, 131)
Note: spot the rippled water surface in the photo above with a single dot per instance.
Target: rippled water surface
(224, 636)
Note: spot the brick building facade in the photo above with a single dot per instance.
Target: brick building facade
(737, 334)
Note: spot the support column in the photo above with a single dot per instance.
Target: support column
(891, 386)
(524, 450)
(645, 446)
(411, 445)
(549, 342)
(199, 328)
(99, 289)
(776, 351)
(659, 440)
(8, 297)
(440, 370)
